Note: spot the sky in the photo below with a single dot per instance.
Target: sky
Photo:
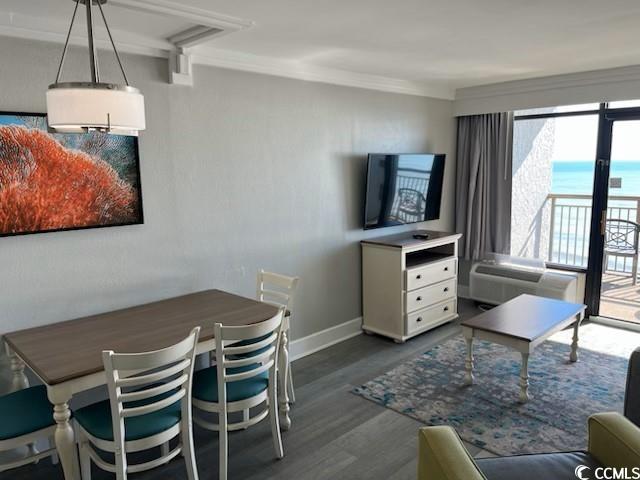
(576, 139)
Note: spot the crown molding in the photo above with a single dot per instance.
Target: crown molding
(198, 16)
(44, 29)
(554, 82)
(304, 71)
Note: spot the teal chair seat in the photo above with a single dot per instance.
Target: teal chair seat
(96, 419)
(25, 411)
(205, 384)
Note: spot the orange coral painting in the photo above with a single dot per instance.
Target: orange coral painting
(52, 182)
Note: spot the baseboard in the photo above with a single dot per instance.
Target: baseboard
(315, 342)
(463, 291)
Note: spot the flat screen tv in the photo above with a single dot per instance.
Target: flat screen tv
(403, 189)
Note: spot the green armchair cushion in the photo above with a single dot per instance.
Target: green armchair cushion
(614, 440)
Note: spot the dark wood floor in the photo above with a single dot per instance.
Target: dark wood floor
(335, 434)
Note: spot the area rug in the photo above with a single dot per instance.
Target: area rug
(431, 389)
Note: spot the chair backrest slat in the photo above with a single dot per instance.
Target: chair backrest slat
(154, 406)
(146, 393)
(252, 347)
(251, 360)
(252, 366)
(236, 377)
(276, 289)
(154, 376)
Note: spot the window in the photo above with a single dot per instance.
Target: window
(553, 163)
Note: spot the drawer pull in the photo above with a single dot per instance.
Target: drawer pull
(446, 289)
(446, 269)
(418, 277)
(419, 319)
(446, 309)
(418, 299)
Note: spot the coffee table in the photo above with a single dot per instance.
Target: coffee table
(522, 324)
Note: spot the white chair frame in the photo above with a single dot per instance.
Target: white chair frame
(279, 290)
(28, 440)
(227, 358)
(149, 374)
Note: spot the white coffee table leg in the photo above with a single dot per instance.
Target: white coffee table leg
(64, 436)
(524, 378)
(468, 364)
(574, 344)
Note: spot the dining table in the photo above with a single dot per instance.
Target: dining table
(67, 356)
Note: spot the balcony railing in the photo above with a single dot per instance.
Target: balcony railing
(570, 226)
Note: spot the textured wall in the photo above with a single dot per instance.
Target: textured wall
(240, 172)
(533, 142)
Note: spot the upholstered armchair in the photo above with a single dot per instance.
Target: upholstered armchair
(614, 441)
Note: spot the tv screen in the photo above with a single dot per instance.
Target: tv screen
(402, 189)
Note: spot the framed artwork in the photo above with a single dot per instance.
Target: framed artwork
(52, 182)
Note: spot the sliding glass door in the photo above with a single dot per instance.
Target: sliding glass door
(612, 277)
(576, 198)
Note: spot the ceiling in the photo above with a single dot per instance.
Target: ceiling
(437, 45)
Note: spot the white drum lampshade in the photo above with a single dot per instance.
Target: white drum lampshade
(76, 107)
(79, 107)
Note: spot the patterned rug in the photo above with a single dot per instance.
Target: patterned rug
(430, 388)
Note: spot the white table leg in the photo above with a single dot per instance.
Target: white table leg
(468, 364)
(19, 380)
(283, 374)
(64, 436)
(574, 344)
(524, 378)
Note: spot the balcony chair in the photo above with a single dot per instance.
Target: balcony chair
(144, 410)
(25, 417)
(614, 441)
(621, 240)
(243, 378)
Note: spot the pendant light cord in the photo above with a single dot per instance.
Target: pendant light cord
(66, 43)
(115, 50)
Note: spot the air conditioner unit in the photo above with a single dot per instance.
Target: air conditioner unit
(498, 281)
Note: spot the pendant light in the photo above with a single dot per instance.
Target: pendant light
(77, 107)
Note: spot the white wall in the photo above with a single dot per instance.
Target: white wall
(533, 142)
(240, 172)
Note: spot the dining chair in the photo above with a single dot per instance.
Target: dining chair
(243, 378)
(25, 417)
(149, 404)
(279, 290)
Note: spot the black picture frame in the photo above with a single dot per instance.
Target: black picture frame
(139, 220)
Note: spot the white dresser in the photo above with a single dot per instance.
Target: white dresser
(409, 285)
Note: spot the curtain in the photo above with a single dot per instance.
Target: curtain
(483, 184)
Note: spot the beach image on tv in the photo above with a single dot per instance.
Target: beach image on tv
(52, 182)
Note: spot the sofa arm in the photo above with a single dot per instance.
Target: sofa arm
(613, 440)
(632, 393)
(442, 456)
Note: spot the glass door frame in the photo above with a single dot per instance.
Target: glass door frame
(600, 198)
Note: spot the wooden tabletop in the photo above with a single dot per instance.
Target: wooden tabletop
(526, 317)
(73, 349)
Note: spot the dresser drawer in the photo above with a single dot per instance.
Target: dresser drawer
(419, 277)
(427, 296)
(430, 316)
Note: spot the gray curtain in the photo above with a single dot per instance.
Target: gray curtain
(483, 184)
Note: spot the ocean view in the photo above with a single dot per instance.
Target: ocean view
(570, 232)
(577, 177)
